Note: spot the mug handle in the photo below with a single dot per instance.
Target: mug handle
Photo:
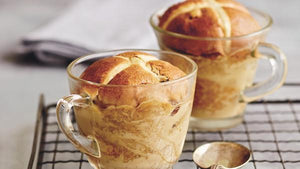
(87, 145)
(278, 62)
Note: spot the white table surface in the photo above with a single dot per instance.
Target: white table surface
(22, 79)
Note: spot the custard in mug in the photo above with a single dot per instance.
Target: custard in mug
(138, 109)
(223, 38)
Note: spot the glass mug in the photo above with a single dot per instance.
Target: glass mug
(122, 126)
(225, 84)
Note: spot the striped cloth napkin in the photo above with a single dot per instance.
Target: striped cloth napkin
(91, 25)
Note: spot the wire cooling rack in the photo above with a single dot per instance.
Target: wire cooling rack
(271, 129)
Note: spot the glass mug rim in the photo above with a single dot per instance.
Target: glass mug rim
(264, 28)
(82, 58)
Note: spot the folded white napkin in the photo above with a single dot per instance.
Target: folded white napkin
(91, 25)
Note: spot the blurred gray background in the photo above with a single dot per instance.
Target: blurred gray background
(22, 78)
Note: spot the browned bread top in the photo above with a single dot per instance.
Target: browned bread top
(131, 68)
(209, 18)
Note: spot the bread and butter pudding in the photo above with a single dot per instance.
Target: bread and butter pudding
(221, 36)
(139, 110)
(209, 19)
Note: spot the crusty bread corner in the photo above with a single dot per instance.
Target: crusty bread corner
(131, 69)
(206, 18)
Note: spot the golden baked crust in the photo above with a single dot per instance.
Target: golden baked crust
(206, 18)
(134, 75)
(100, 71)
(131, 69)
